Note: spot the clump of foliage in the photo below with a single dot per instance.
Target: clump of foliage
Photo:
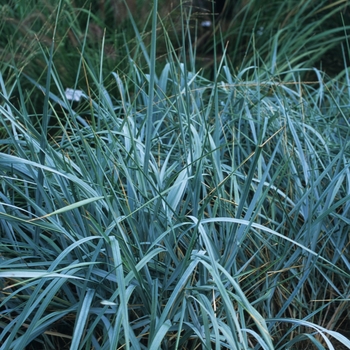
(304, 33)
(165, 210)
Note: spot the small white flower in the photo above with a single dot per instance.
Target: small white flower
(73, 95)
(206, 24)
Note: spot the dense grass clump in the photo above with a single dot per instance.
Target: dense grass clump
(303, 33)
(159, 209)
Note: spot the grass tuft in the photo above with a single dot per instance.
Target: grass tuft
(176, 211)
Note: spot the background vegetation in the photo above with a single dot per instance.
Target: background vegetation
(185, 193)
